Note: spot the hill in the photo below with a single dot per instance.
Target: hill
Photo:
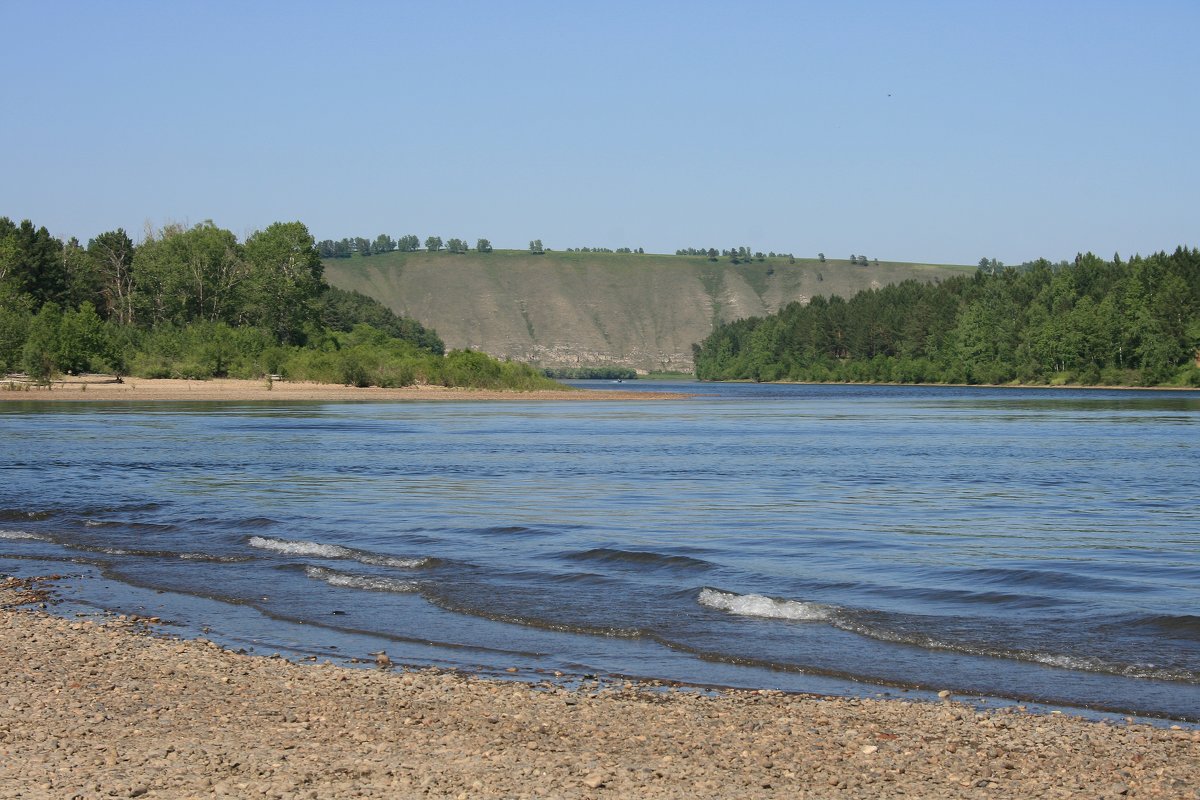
(566, 309)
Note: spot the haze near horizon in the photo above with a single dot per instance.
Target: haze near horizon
(935, 132)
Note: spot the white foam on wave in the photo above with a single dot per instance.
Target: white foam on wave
(302, 548)
(757, 605)
(22, 536)
(368, 582)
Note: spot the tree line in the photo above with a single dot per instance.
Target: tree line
(195, 302)
(1094, 322)
(736, 255)
(345, 248)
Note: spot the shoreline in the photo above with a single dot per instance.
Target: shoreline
(104, 388)
(1058, 387)
(95, 708)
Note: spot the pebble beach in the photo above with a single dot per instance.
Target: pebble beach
(111, 707)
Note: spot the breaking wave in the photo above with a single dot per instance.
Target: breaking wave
(871, 625)
(349, 580)
(757, 605)
(302, 548)
(23, 536)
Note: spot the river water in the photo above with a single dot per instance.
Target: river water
(1036, 545)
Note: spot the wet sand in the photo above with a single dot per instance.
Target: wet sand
(103, 388)
(112, 708)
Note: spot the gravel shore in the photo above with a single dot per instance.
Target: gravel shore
(110, 709)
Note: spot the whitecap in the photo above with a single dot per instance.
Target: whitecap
(22, 536)
(757, 605)
(303, 548)
(369, 582)
(295, 548)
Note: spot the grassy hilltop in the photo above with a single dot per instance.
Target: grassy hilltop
(564, 309)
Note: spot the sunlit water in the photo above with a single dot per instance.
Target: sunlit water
(1038, 545)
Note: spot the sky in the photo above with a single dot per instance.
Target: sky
(917, 131)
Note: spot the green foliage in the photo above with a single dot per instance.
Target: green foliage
(31, 261)
(40, 354)
(195, 303)
(111, 254)
(283, 277)
(186, 274)
(590, 373)
(340, 310)
(1095, 322)
(82, 340)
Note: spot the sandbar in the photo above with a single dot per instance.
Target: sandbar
(104, 388)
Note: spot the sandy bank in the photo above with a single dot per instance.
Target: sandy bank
(99, 710)
(102, 388)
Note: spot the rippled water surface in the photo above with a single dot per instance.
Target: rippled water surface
(1031, 544)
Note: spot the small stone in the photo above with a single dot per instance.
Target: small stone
(869, 749)
(944, 693)
(594, 781)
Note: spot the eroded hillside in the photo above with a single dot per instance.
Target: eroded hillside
(584, 309)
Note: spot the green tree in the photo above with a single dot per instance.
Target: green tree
(33, 261)
(483, 246)
(40, 354)
(535, 247)
(186, 274)
(15, 315)
(284, 279)
(112, 258)
(82, 339)
(433, 243)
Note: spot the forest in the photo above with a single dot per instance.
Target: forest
(194, 302)
(1091, 322)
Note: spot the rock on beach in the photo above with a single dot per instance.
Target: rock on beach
(111, 709)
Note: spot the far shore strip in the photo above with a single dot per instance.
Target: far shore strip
(94, 388)
(116, 709)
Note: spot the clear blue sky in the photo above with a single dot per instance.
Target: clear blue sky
(940, 131)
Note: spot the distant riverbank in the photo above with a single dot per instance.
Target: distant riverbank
(103, 388)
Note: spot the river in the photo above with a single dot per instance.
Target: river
(1039, 545)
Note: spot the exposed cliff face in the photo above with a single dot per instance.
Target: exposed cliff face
(586, 309)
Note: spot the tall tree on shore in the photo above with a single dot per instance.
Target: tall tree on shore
(34, 262)
(284, 278)
(112, 255)
(187, 274)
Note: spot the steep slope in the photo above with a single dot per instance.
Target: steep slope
(584, 309)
